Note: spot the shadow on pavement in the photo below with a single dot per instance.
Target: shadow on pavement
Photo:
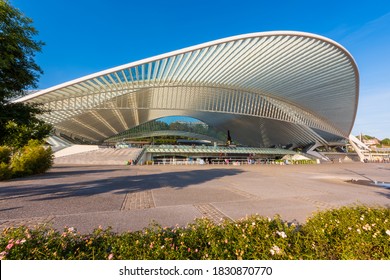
(109, 183)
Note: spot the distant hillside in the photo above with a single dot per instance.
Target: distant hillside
(372, 140)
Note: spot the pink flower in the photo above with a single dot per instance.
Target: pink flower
(9, 246)
(111, 256)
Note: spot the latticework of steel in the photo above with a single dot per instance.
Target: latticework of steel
(269, 88)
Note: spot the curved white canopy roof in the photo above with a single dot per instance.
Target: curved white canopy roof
(267, 88)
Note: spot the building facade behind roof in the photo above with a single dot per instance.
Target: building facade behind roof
(268, 89)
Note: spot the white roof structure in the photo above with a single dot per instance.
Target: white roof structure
(268, 88)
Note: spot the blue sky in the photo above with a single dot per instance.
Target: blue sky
(85, 36)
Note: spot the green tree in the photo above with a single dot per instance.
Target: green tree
(18, 73)
(385, 142)
(18, 135)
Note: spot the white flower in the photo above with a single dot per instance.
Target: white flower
(275, 250)
(388, 232)
(281, 234)
(367, 227)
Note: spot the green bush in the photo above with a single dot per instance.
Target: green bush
(5, 171)
(5, 158)
(31, 159)
(346, 233)
(5, 154)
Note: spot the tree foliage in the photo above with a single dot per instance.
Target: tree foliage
(385, 142)
(18, 73)
(18, 70)
(18, 135)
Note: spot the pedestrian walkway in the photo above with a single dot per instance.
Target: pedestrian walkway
(132, 197)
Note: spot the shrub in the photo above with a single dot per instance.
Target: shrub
(346, 233)
(5, 154)
(5, 157)
(31, 159)
(5, 171)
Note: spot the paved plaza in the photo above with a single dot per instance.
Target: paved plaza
(132, 197)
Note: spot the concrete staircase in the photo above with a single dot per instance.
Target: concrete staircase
(75, 149)
(96, 155)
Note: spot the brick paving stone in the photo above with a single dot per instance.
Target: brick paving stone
(210, 212)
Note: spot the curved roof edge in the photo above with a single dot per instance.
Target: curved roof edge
(195, 47)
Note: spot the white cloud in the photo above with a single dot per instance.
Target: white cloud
(379, 26)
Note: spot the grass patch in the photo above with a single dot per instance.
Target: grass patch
(358, 232)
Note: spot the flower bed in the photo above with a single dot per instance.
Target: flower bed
(358, 232)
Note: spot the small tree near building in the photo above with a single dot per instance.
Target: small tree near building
(21, 131)
(18, 73)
